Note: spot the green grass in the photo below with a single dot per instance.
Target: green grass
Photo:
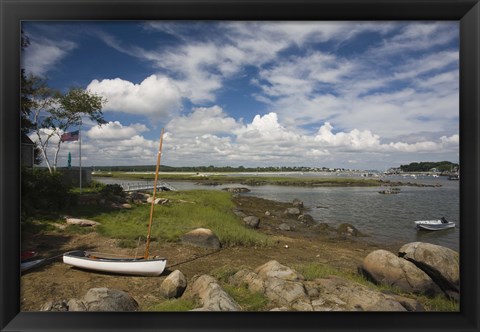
(76, 229)
(187, 210)
(439, 303)
(224, 273)
(247, 300)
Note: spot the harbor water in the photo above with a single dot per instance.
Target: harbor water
(385, 219)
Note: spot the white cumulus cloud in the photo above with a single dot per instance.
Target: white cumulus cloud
(114, 130)
(155, 97)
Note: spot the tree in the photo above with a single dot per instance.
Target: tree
(54, 113)
(26, 103)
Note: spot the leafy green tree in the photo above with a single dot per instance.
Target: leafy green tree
(53, 113)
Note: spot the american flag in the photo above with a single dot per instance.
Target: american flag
(69, 137)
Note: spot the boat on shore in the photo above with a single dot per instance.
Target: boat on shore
(434, 225)
(111, 263)
(140, 266)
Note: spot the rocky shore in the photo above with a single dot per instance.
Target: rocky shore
(270, 272)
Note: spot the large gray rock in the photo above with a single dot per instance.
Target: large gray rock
(201, 237)
(338, 294)
(306, 218)
(252, 221)
(284, 286)
(440, 263)
(81, 222)
(292, 211)
(158, 201)
(287, 293)
(347, 229)
(104, 299)
(211, 295)
(55, 306)
(174, 285)
(383, 267)
(249, 278)
(274, 269)
(297, 203)
(285, 227)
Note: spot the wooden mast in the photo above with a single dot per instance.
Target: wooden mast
(154, 192)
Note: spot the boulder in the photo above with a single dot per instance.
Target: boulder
(285, 227)
(253, 281)
(338, 294)
(298, 203)
(383, 267)
(252, 221)
(274, 269)
(174, 285)
(104, 299)
(287, 293)
(81, 222)
(292, 211)
(211, 295)
(201, 237)
(55, 306)
(76, 305)
(280, 284)
(348, 230)
(440, 263)
(306, 218)
(158, 201)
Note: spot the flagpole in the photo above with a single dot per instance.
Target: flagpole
(80, 154)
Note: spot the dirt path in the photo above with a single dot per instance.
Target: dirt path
(57, 281)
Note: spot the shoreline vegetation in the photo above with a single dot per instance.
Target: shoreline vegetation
(221, 179)
(314, 249)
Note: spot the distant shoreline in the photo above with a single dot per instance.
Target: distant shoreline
(263, 179)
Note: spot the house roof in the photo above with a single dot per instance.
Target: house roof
(27, 140)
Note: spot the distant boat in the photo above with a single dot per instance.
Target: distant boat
(454, 177)
(434, 225)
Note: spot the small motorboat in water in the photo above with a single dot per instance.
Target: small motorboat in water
(434, 225)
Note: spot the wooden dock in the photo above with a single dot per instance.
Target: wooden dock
(141, 186)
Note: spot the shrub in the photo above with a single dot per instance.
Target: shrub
(42, 190)
(112, 190)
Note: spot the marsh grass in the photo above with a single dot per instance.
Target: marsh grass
(187, 210)
(254, 180)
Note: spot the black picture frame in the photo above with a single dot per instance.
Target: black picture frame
(13, 12)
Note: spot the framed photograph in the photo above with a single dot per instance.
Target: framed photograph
(313, 165)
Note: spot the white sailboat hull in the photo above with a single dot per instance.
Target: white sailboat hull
(434, 225)
(129, 266)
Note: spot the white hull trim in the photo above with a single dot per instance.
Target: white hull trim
(436, 227)
(129, 266)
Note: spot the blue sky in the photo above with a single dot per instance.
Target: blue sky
(359, 95)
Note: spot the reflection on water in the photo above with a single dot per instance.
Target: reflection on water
(385, 218)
